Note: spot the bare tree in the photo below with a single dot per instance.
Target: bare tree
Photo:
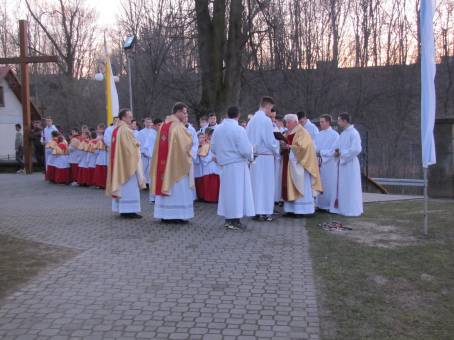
(70, 26)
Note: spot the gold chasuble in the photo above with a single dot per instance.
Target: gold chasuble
(301, 144)
(171, 157)
(203, 150)
(124, 161)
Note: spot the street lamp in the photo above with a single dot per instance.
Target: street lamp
(128, 46)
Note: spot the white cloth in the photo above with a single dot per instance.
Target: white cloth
(84, 159)
(46, 134)
(108, 135)
(235, 193)
(305, 204)
(92, 156)
(198, 167)
(428, 90)
(74, 155)
(48, 157)
(325, 143)
(60, 161)
(178, 205)
(194, 151)
(278, 179)
(209, 166)
(312, 129)
(350, 199)
(146, 138)
(130, 197)
(260, 134)
(101, 158)
(232, 149)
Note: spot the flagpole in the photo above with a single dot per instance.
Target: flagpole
(426, 199)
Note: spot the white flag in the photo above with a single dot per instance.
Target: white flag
(428, 70)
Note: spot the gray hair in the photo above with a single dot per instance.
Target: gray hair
(291, 117)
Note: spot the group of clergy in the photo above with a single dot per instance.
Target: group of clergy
(246, 169)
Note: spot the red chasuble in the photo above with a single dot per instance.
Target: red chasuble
(285, 174)
(163, 152)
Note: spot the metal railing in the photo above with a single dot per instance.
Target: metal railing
(400, 182)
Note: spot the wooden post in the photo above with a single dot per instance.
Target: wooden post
(24, 60)
(23, 38)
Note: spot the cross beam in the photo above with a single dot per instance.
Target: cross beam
(24, 59)
(29, 60)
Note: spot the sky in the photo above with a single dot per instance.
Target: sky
(107, 9)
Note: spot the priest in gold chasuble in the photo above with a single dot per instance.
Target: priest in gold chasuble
(300, 174)
(172, 179)
(124, 172)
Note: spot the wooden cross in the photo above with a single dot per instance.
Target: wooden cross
(24, 59)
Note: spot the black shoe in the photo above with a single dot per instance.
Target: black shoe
(230, 226)
(289, 215)
(258, 218)
(130, 215)
(240, 225)
(267, 218)
(174, 221)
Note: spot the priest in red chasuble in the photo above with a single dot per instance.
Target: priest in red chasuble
(172, 178)
(124, 171)
(300, 172)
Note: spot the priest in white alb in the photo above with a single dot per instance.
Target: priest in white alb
(349, 197)
(232, 151)
(147, 139)
(260, 133)
(325, 144)
(172, 179)
(300, 173)
(310, 127)
(124, 170)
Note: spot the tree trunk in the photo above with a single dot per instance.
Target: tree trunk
(219, 56)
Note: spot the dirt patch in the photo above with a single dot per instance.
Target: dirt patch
(21, 260)
(384, 236)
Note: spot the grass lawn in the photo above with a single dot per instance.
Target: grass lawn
(383, 280)
(21, 260)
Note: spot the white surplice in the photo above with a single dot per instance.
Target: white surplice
(305, 204)
(312, 129)
(260, 133)
(194, 154)
(325, 143)
(178, 205)
(46, 137)
(146, 138)
(233, 151)
(108, 135)
(130, 197)
(350, 199)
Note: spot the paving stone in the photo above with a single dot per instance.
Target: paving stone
(140, 279)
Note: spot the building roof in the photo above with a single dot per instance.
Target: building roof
(9, 75)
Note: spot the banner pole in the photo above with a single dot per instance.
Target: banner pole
(426, 199)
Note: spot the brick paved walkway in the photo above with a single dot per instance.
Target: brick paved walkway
(141, 279)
